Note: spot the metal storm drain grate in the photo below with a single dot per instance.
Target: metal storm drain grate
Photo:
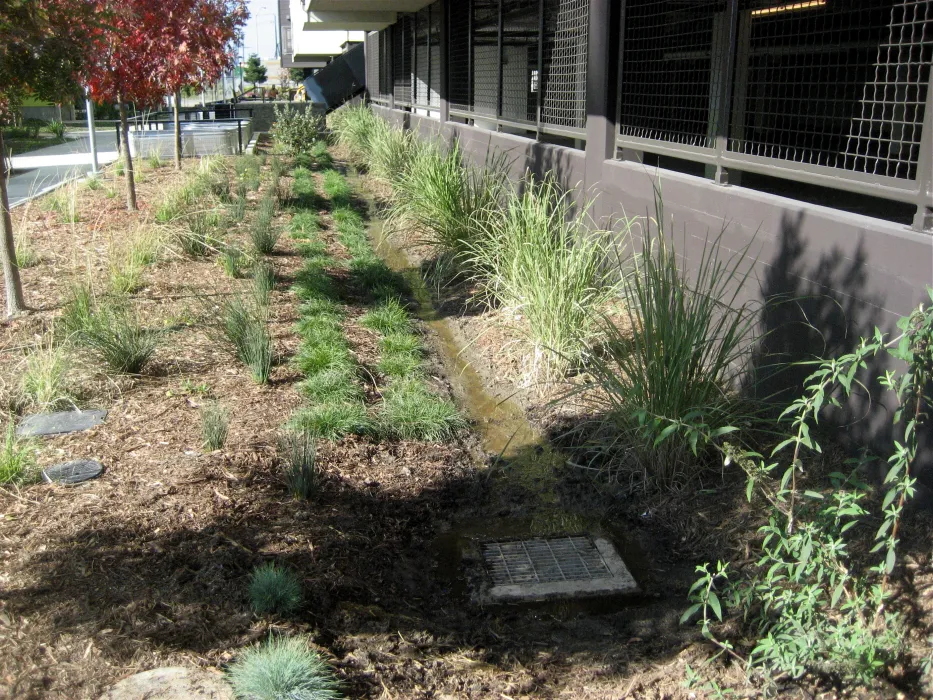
(554, 567)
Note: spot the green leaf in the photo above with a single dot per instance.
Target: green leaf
(814, 494)
(890, 560)
(715, 604)
(837, 594)
(690, 612)
(749, 488)
(666, 433)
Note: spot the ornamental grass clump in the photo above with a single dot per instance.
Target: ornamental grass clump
(115, 334)
(671, 363)
(45, 382)
(448, 204)
(410, 411)
(335, 186)
(263, 233)
(541, 262)
(215, 423)
(283, 668)
(17, 457)
(298, 451)
(244, 326)
(274, 590)
(388, 317)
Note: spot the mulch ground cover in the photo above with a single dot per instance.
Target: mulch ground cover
(148, 565)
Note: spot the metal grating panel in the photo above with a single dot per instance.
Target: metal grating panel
(520, 28)
(566, 30)
(435, 16)
(835, 84)
(385, 64)
(485, 46)
(371, 46)
(459, 52)
(401, 55)
(544, 561)
(666, 70)
(421, 61)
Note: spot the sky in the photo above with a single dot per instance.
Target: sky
(259, 35)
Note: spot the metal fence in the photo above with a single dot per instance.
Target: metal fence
(830, 93)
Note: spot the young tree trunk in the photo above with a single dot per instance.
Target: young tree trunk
(14, 287)
(127, 158)
(177, 114)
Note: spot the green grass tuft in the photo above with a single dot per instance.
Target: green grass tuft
(283, 669)
(274, 590)
(389, 317)
(304, 224)
(411, 412)
(116, 335)
(336, 384)
(244, 324)
(298, 451)
(17, 459)
(215, 422)
(331, 421)
(335, 186)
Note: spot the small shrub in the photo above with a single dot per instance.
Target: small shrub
(274, 590)
(280, 669)
(389, 317)
(219, 186)
(331, 421)
(215, 420)
(57, 129)
(297, 451)
(115, 334)
(18, 458)
(411, 412)
(335, 186)
(295, 131)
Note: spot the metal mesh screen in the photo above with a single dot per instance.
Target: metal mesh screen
(459, 56)
(566, 25)
(385, 64)
(834, 84)
(436, 14)
(371, 47)
(421, 60)
(667, 61)
(485, 46)
(401, 56)
(520, 27)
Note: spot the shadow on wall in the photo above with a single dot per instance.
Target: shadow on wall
(821, 309)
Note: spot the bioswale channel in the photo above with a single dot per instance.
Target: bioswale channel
(524, 498)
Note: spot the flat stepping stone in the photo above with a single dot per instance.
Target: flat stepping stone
(171, 683)
(59, 423)
(73, 472)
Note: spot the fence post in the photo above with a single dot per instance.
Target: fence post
(442, 84)
(601, 85)
(390, 57)
(239, 134)
(540, 84)
(923, 218)
(722, 66)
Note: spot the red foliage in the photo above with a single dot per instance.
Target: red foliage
(154, 47)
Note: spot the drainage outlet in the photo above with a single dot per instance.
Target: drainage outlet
(554, 567)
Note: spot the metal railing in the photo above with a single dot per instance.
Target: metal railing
(158, 122)
(829, 94)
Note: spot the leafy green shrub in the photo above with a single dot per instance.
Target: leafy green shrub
(215, 421)
(57, 129)
(810, 603)
(298, 452)
(17, 459)
(332, 420)
(411, 412)
(670, 369)
(116, 335)
(540, 260)
(389, 317)
(244, 325)
(274, 590)
(295, 131)
(283, 669)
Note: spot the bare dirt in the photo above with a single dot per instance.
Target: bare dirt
(148, 565)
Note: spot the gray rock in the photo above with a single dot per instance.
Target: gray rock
(171, 683)
(72, 472)
(59, 423)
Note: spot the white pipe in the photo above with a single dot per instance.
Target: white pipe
(91, 134)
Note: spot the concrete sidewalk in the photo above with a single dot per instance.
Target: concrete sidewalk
(46, 168)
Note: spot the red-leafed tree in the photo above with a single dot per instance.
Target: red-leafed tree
(43, 45)
(201, 34)
(126, 65)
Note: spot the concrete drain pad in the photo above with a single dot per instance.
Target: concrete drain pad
(171, 683)
(59, 423)
(553, 567)
(72, 472)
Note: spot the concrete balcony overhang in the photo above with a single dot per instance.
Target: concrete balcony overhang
(349, 21)
(365, 5)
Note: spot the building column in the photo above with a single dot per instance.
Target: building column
(442, 84)
(923, 218)
(602, 70)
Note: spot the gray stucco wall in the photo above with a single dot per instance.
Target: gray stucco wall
(840, 274)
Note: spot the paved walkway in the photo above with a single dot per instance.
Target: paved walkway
(40, 170)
